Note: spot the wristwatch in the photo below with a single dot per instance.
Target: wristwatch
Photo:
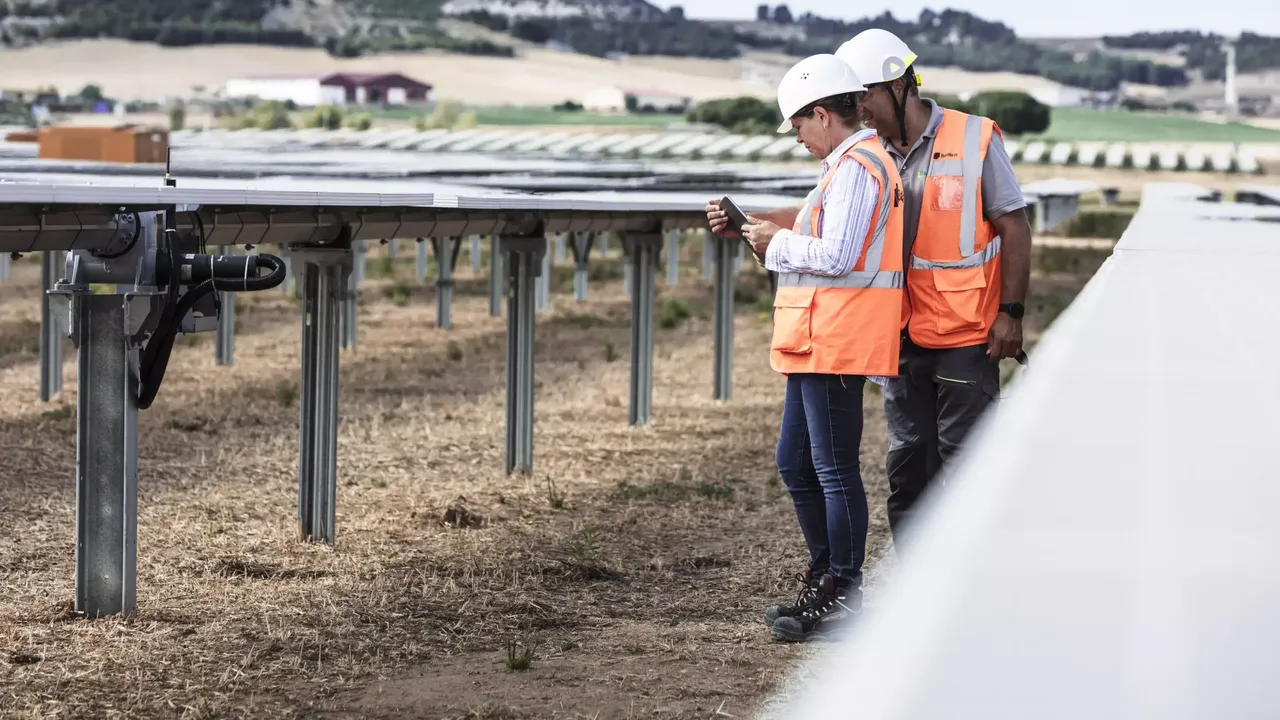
(1013, 310)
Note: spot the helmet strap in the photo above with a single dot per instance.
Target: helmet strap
(900, 106)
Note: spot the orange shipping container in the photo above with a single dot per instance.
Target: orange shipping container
(122, 144)
(22, 136)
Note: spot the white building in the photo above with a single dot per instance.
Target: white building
(1060, 96)
(303, 90)
(617, 100)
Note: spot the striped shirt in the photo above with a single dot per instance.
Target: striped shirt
(848, 205)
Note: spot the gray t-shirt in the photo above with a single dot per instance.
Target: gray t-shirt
(1000, 191)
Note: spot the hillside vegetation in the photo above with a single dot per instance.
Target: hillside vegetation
(602, 28)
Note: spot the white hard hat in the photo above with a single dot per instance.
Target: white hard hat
(877, 56)
(814, 78)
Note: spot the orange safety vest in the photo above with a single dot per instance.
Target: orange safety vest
(953, 280)
(850, 324)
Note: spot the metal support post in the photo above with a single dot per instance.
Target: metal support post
(422, 259)
(643, 250)
(224, 343)
(544, 283)
(582, 243)
(604, 243)
(560, 247)
(393, 248)
(361, 269)
(324, 275)
(496, 260)
(52, 327)
(288, 270)
(6, 261)
(708, 256)
(473, 252)
(627, 271)
(723, 323)
(737, 261)
(673, 257)
(446, 252)
(107, 450)
(523, 259)
(350, 302)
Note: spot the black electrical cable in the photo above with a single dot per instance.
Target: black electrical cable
(155, 357)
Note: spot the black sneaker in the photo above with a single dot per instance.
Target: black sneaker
(808, 591)
(832, 609)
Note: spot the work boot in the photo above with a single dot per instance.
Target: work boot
(832, 609)
(808, 590)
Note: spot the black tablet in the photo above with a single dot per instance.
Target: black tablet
(737, 218)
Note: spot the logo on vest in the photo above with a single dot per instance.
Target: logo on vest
(940, 155)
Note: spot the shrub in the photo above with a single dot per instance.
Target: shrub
(1017, 113)
(744, 115)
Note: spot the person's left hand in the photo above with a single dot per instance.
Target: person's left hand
(759, 233)
(1005, 338)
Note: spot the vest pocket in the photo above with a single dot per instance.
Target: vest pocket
(960, 291)
(792, 317)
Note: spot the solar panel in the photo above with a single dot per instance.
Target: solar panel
(594, 147)
(977, 621)
(443, 141)
(1089, 154)
(571, 144)
(546, 141)
(1247, 163)
(477, 141)
(1169, 158)
(752, 146)
(1142, 157)
(663, 145)
(719, 147)
(1034, 152)
(1061, 153)
(1116, 155)
(1222, 159)
(630, 145)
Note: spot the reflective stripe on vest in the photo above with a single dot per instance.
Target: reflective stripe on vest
(969, 169)
(873, 253)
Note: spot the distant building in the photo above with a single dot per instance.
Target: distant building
(1061, 96)
(333, 89)
(618, 100)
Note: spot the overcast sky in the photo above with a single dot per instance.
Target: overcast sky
(1085, 18)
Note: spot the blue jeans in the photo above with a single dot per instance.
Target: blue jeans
(818, 460)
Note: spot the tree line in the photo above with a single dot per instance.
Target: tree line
(1017, 113)
(1204, 51)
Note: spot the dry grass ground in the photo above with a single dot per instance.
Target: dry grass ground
(629, 571)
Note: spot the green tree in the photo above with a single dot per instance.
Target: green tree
(744, 115)
(1017, 113)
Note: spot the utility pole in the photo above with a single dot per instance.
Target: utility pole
(1231, 98)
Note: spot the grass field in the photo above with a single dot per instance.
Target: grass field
(1082, 124)
(624, 580)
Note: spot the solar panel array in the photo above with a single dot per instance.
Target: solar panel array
(1106, 545)
(681, 145)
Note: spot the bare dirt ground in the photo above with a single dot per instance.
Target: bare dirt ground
(633, 566)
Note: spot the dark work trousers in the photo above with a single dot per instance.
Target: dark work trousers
(933, 403)
(818, 460)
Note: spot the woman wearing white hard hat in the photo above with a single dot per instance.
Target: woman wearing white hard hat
(969, 262)
(837, 321)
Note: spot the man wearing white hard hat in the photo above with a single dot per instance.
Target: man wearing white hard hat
(967, 245)
(838, 318)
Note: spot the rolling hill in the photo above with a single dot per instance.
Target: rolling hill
(612, 28)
